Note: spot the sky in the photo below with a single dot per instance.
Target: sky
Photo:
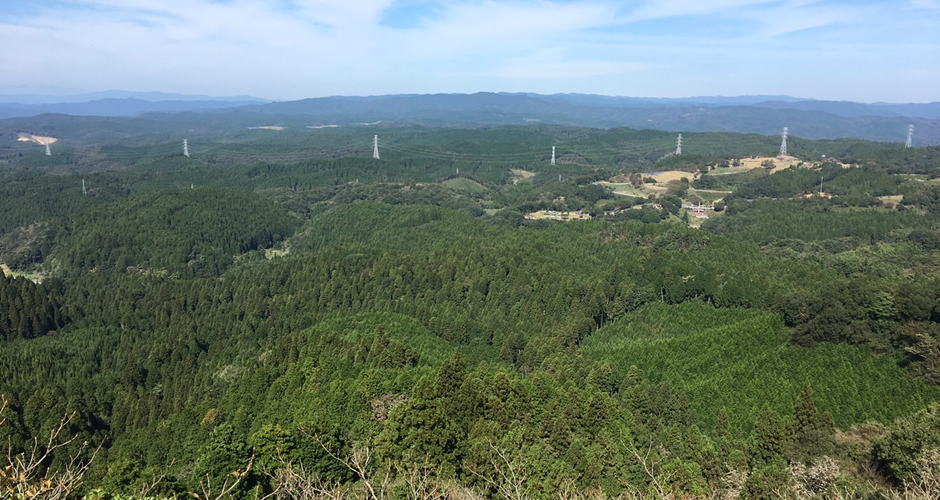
(859, 50)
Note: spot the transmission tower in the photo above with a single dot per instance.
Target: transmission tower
(375, 148)
(186, 148)
(83, 187)
(783, 145)
(46, 142)
(910, 136)
(553, 155)
(679, 145)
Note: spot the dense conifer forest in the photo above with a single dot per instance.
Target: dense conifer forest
(280, 315)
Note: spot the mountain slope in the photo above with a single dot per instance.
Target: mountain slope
(808, 119)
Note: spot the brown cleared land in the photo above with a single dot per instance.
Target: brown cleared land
(553, 215)
(38, 139)
(670, 175)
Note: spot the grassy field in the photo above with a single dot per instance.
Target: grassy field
(709, 195)
(34, 277)
(465, 185)
(728, 170)
(625, 189)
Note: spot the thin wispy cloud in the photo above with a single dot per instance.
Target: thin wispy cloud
(287, 49)
(925, 4)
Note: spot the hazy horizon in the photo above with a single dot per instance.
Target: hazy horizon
(64, 93)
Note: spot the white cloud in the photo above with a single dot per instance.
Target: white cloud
(655, 9)
(925, 4)
(326, 47)
(563, 70)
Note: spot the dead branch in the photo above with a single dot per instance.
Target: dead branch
(227, 486)
(148, 487)
(27, 475)
(657, 481)
(359, 463)
(509, 478)
(294, 482)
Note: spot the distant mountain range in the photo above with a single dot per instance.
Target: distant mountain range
(41, 98)
(754, 114)
(114, 107)
(115, 103)
(812, 119)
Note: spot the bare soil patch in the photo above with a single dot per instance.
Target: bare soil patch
(553, 215)
(519, 175)
(670, 175)
(780, 162)
(38, 139)
(891, 201)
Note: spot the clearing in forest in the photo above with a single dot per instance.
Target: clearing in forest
(555, 215)
(6, 270)
(465, 185)
(781, 162)
(519, 175)
(709, 195)
(38, 139)
(624, 189)
(670, 175)
(891, 201)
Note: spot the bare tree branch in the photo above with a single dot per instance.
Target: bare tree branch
(27, 474)
(359, 462)
(227, 487)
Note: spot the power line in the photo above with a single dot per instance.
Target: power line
(245, 153)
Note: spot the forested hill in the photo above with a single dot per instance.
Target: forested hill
(810, 119)
(463, 318)
(750, 114)
(189, 232)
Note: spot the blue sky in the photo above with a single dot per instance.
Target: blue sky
(862, 50)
